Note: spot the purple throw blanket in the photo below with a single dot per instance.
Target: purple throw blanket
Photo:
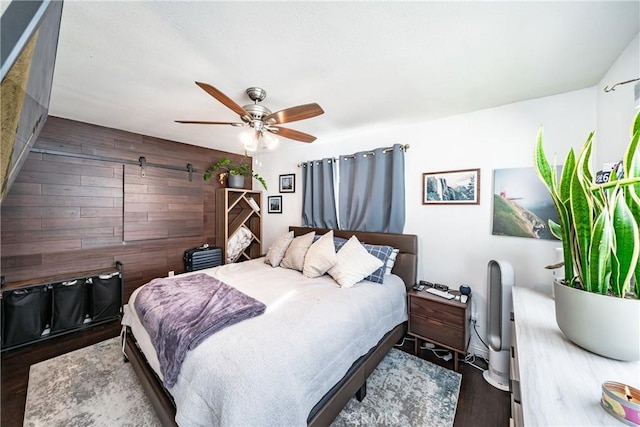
(180, 312)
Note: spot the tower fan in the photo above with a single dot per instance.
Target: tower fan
(500, 281)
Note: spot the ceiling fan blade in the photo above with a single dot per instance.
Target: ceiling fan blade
(200, 122)
(291, 134)
(294, 114)
(228, 102)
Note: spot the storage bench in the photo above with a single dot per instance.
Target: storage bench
(39, 309)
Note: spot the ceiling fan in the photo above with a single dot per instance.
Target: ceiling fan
(260, 119)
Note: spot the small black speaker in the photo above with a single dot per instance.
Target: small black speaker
(465, 290)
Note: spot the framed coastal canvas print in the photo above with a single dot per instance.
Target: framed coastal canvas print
(522, 206)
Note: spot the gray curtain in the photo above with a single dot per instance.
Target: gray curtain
(318, 190)
(371, 196)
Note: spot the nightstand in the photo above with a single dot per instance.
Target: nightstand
(440, 321)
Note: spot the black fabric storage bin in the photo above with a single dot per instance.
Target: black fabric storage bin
(106, 298)
(69, 305)
(26, 313)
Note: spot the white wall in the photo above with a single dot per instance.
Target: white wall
(616, 109)
(455, 242)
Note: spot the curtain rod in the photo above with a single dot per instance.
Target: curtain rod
(404, 147)
(612, 88)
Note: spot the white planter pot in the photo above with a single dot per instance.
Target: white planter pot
(602, 324)
(235, 181)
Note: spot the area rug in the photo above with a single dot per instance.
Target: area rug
(93, 387)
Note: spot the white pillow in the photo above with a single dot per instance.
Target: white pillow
(321, 256)
(297, 250)
(391, 262)
(353, 264)
(238, 242)
(278, 249)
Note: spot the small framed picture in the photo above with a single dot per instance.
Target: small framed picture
(458, 187)
(274, 204)
(288, 183)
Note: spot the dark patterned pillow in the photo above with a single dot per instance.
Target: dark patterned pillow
(338, 242)
(382, 253)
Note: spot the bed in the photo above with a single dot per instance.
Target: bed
(329, 394)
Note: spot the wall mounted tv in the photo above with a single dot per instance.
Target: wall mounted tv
(29, 33)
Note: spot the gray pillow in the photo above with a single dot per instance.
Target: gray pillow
(321, 256)
(297, 250)
(277, 250)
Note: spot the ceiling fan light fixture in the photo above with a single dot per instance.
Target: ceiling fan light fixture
(270, 140)
(260, 119)
(248, 139)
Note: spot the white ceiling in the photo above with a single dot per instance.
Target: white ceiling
(132, 65)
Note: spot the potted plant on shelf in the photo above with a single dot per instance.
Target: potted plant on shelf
(234, 173)
(598, 302)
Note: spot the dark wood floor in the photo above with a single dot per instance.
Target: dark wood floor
(479, 405)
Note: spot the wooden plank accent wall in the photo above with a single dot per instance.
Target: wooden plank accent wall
(65, 215)
(161, 204)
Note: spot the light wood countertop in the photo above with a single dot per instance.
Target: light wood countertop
(560, 383)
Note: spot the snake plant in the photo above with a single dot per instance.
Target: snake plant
(598, 223)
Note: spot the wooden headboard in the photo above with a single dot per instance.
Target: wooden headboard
(407, 261)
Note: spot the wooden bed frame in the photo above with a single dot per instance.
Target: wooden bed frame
(353, 383)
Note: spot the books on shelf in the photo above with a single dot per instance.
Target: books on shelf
(253, 204)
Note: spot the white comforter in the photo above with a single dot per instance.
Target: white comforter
(272, 369)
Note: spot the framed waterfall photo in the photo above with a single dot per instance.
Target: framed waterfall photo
(457, 187)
